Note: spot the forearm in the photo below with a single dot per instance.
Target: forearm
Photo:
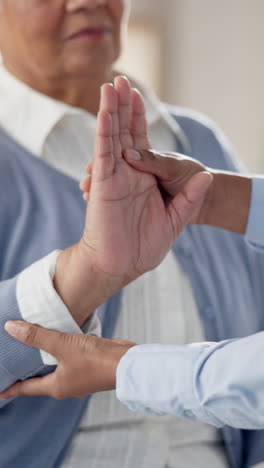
(228, 203)
(204, 381)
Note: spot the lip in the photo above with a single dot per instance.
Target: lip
(91, 32)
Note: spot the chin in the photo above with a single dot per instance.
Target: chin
(85, 65)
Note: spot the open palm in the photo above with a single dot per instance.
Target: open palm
(129, 228)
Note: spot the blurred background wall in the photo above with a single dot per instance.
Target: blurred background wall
(207, 55)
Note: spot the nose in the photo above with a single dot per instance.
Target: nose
(73, 5)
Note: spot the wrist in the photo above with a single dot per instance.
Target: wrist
(228, 201)
(105, 354)
(117, 354)
(81, 286)
(206, 213)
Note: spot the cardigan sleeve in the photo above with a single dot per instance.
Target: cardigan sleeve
(31, 296)
(17, 361)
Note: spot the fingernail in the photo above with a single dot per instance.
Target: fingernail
(132, 155)
(14, 327)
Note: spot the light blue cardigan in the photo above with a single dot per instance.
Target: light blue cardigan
(226, 275)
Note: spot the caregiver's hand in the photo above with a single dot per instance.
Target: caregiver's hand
(227, 202)
(172, 170)
(86, 364)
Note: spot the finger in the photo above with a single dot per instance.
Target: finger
(109, 103)
(139, 126)
(186, 203)
(36, 336)
(85, 184)
(154, 162)
(89, 168)
(103, 161)
(124, 94)
(31, 387)
(86, 196)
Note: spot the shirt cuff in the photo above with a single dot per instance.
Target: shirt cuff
(255, 228)
(39, 302)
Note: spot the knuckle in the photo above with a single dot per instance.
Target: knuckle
(63, 338)
(82, 343)
(88, 344)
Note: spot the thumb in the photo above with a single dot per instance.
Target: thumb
(186, 203)
(36, 336)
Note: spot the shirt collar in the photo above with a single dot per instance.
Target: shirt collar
(26, 114)
(30, 116)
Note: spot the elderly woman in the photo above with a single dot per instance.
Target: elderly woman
(56, 55)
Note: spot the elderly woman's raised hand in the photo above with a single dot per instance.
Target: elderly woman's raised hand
(129, 228)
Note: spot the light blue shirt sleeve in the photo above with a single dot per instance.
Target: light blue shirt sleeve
(217, 383)
(255, 227)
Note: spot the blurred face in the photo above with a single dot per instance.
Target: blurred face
(53, 39)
